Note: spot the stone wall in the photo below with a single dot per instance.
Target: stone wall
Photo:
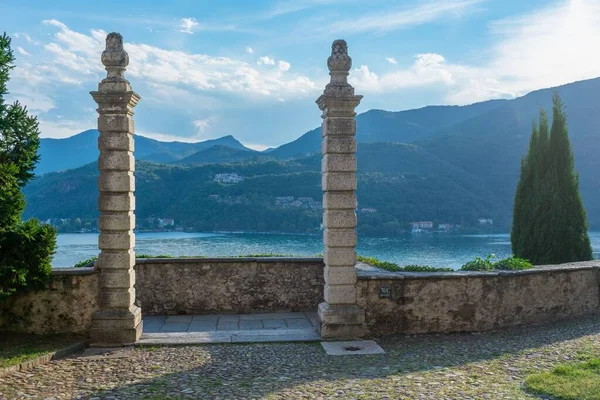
(476, 301)
(415, 302)
(65, 306)
(228, 285)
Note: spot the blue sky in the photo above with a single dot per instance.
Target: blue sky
(253, 69)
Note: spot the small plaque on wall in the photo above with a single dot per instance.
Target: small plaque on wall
(385, 292)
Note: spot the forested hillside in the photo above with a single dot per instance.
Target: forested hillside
(401, 182)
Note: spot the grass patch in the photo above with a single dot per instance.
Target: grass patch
(579, 381)
(16, 348)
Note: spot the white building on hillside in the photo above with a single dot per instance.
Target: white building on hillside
(228, 178)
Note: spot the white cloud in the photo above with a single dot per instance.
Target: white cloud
(25, 36)
(393, 20)
(91, 45)
(265, 60)
(202, 125)
(284, 65)
(428, 68)
(166, 137)
(549, 47)
(32, 98)
(23, 51)
(391, 60)
(75, 59)
(202, 72)
(249, 50)
(62, 128)
(188, 25)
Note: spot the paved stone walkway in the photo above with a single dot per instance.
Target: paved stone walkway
(438, 367)
(228, 328)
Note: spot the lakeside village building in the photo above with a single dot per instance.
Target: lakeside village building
(228, 178)
(423, 226)
(160, 222)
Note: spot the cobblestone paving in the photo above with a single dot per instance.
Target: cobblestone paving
(459, 366)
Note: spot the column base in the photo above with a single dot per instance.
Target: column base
(341, 321)
(113, 328)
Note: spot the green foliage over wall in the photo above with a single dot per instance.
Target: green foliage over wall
(506, 264)
(549, 220)
(26, 249)
(396, 268)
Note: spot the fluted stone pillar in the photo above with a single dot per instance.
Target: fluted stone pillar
(339, 315)
(118, 321)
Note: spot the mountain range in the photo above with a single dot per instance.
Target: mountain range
(75, 151)
(444, 163)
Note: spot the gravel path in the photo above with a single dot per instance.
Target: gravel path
(459, 366)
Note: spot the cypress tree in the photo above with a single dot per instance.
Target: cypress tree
(549, 221)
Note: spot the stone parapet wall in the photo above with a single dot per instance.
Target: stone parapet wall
(476, 301)
(417, 302)
(66, 305)
(228, 285)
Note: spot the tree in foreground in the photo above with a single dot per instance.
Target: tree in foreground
(26, 248)
(549, 221)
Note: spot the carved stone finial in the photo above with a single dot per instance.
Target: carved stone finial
(115, 58)
(339, 60)
(339, 64)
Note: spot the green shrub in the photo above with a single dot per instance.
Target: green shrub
(479, 264)
(25, 256)
(513, 264)
(396, 268)
(85, 263)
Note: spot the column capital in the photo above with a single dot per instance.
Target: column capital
(338, 98)
(338, 105)
(115, 102)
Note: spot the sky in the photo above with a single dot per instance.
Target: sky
(253, 69)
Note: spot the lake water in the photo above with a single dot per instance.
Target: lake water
(437, 249)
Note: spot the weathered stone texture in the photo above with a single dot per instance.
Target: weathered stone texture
(66, 305)
(338, 182)
(467, 302)
(205, 286)
(118, 321)
(418, 302)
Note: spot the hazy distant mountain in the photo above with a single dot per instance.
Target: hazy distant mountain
(222, 154)
(456, 164)
(81, 149)
(392, 126)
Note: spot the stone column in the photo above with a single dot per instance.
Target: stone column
(118, 321)
(339, 315)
